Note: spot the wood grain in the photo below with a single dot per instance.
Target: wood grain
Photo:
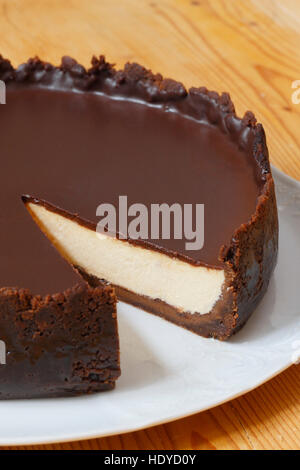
(249, 48)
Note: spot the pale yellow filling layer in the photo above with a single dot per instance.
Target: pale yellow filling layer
(145, 272)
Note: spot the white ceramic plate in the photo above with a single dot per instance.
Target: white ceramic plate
(169, 373)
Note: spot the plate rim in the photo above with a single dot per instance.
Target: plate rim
(78, 436)
(85, 437)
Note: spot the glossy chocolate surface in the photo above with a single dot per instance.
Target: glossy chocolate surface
(77, 148)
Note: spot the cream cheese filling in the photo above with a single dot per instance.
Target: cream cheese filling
(145, 272)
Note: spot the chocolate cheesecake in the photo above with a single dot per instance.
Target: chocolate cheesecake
(74, 138)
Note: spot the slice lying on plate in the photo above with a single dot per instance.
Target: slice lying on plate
(75, 139)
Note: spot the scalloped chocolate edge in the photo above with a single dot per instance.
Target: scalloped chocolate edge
(250, 258)
(136, 82)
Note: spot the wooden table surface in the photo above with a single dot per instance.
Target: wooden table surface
(249, 48)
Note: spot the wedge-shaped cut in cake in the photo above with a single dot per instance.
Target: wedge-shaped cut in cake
(87, 137)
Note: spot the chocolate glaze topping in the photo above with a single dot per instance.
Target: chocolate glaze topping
(77, 138)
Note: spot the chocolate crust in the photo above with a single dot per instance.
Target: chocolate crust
(250, 257)
(59, 345)
(136, 82)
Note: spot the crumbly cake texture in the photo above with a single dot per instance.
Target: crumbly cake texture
(59, 345)
(251, 256)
